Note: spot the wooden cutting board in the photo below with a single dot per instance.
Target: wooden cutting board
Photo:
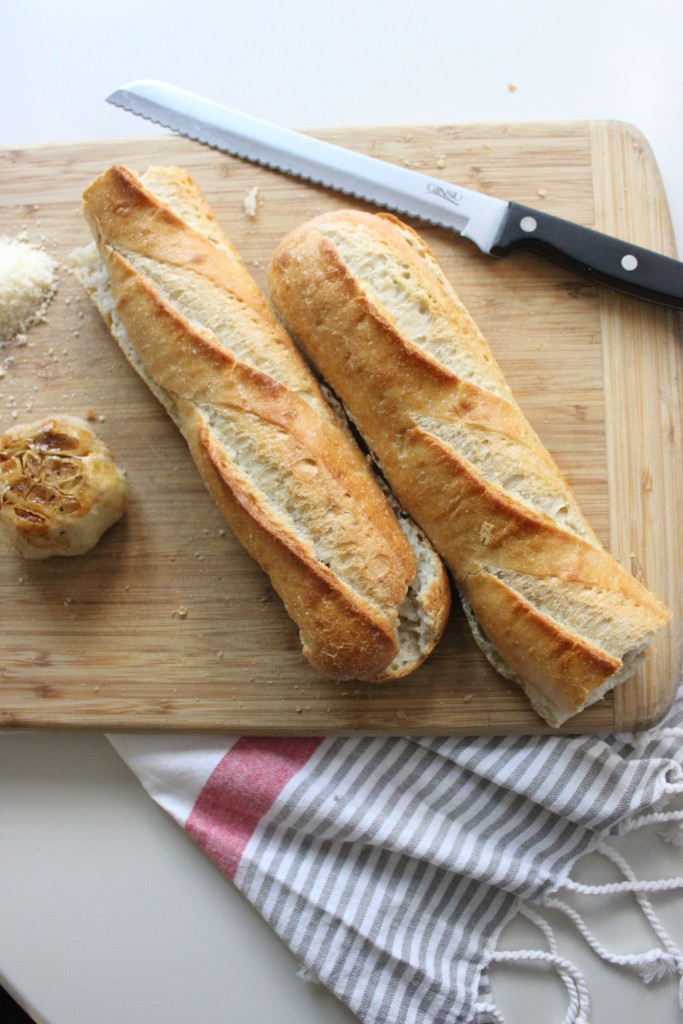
(167, 624)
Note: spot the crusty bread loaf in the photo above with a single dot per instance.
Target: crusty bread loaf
(368, 593)
(548, 605)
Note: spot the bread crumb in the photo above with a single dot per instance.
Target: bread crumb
(467, 698)
(441, 162)
(512, 87)
(180, 613)
(251, 201)
(543, 192)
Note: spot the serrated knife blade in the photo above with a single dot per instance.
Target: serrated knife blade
(495, 226)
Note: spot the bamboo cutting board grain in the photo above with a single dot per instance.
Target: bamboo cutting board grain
(167, 624)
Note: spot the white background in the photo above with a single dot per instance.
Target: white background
(107, 911)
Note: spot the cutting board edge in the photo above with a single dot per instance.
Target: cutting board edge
(621, 151)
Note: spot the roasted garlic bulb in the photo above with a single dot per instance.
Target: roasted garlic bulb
(60, 488)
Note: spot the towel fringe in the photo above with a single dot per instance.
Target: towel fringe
(672, 834)
(652, 965)
(579, 1000)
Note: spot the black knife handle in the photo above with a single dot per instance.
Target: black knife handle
(604, 259)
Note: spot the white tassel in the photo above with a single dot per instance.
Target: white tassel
(661, 966)
(673, 834)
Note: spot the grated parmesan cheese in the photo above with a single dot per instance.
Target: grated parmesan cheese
(27, 285)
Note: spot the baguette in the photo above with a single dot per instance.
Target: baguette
(550, 608)
(367, 591)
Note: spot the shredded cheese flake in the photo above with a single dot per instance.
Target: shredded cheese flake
(27, 285)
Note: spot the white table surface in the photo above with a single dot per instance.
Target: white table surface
(108, 912)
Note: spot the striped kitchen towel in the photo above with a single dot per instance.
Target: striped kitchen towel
(390, 865)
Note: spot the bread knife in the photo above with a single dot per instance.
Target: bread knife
(495, 226)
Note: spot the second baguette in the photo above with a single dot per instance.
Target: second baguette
(548, 605)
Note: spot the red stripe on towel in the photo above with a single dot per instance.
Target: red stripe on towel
(241, 789)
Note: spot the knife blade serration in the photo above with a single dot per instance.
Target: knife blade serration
(405, 191)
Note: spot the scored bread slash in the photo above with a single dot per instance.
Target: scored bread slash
(368, 593)
(60, 488)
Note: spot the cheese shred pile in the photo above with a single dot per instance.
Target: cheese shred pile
(27, 285)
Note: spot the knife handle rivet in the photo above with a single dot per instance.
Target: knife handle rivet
(528, 224)
(629, 262)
